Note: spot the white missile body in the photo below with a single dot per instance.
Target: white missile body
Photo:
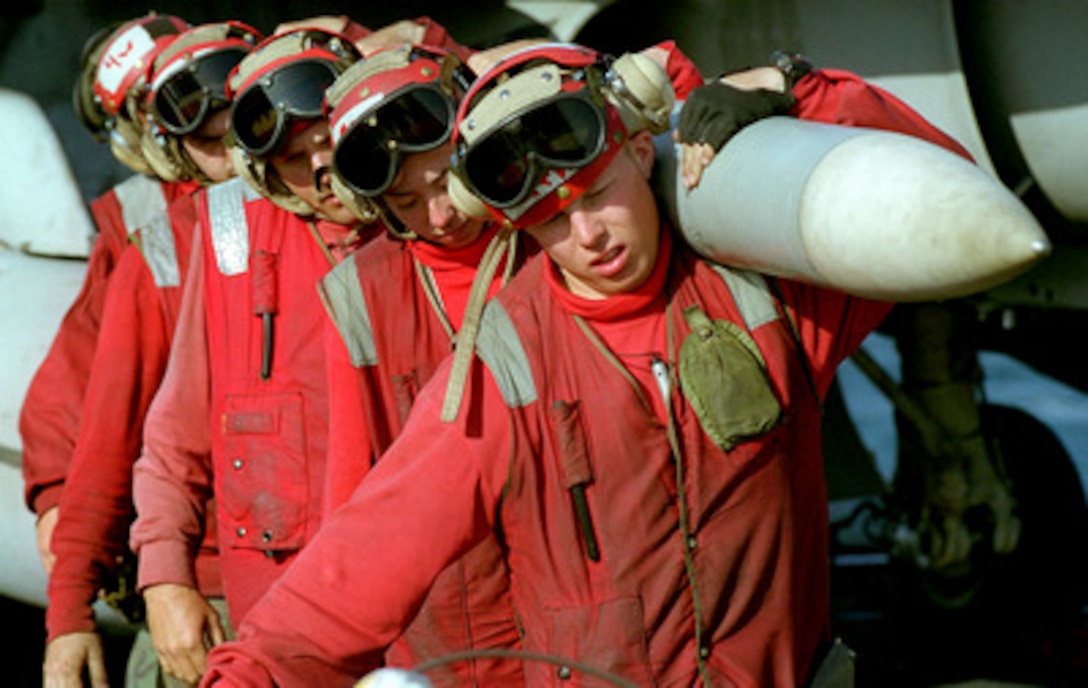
(35, 292)
(869, 212)
(43, 212)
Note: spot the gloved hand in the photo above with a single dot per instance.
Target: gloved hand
(713, 113)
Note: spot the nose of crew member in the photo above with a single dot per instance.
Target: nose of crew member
(308, 150)
(419, 199)
(207, 149)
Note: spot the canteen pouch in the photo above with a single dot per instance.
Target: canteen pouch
(724, 378)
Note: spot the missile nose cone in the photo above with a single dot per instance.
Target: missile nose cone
(897, 218)
(869, 212)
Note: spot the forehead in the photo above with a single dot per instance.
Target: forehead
(302, 135)
(418, 169)
(216, 125)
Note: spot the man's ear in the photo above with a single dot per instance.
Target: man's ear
(641, 147)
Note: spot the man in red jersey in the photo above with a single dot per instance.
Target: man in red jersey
(241, 415)
(108, 99)
(399, 304)
(186, 100)
(647, 540)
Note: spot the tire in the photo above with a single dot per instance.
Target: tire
(1011, 615)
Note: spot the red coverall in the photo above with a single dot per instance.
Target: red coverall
(138, 319)
(217, 426)
(423, 331)
(399, 339)
(50, 417)
(737, 591)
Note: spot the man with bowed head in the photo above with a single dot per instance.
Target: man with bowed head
(660, 540)
(185, 99)
(108, 97)
(400, 304)
(241, 414)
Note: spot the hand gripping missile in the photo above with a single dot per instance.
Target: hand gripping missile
(869, 212)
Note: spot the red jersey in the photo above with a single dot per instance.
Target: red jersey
(50, 417)
(637, 544)
(138, 320)
(398, 306)
(241, 414)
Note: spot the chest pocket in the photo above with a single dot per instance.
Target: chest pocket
(264, 483)
(610, 636)
(724, 378)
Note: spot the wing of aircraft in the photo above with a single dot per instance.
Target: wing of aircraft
(44, 230)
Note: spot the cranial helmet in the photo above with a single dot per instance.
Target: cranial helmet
(537, 129)
(188, 84)
(116, 64)
(280, 81)
(401, 99)
(84, 102)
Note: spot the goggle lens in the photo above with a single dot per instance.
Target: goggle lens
(503, 167)
(419, 119)
(183, 102)
(258, 120)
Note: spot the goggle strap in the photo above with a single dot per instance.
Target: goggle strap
(455, 76)
(470, 325)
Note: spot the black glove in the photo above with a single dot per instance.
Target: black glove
(715, 112)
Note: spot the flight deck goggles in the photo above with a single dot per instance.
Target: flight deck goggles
(260, 114)
(505, 165)
(186, 92)
(370, 142)
(281, 80)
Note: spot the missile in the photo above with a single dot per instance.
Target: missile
(43, 210)
(869, 212)
(35, 293)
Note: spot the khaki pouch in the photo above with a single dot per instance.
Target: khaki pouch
(724, 378)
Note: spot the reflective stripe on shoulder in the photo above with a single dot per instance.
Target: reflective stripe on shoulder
(751, 294)
(160, 253)
(141, 199)
(500, 348)
(343, 299)
(229, 231)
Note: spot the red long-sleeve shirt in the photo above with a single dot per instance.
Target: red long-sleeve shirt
(738, 594)
(138, 320)
(50, 417)
(217, 426)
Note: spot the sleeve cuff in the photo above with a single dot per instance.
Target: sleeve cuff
(165, 562)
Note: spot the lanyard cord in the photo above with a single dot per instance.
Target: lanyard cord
(462, 355)
(430, 288)
(667, 380)
(434, 294)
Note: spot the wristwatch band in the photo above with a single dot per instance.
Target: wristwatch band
(792, 65)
